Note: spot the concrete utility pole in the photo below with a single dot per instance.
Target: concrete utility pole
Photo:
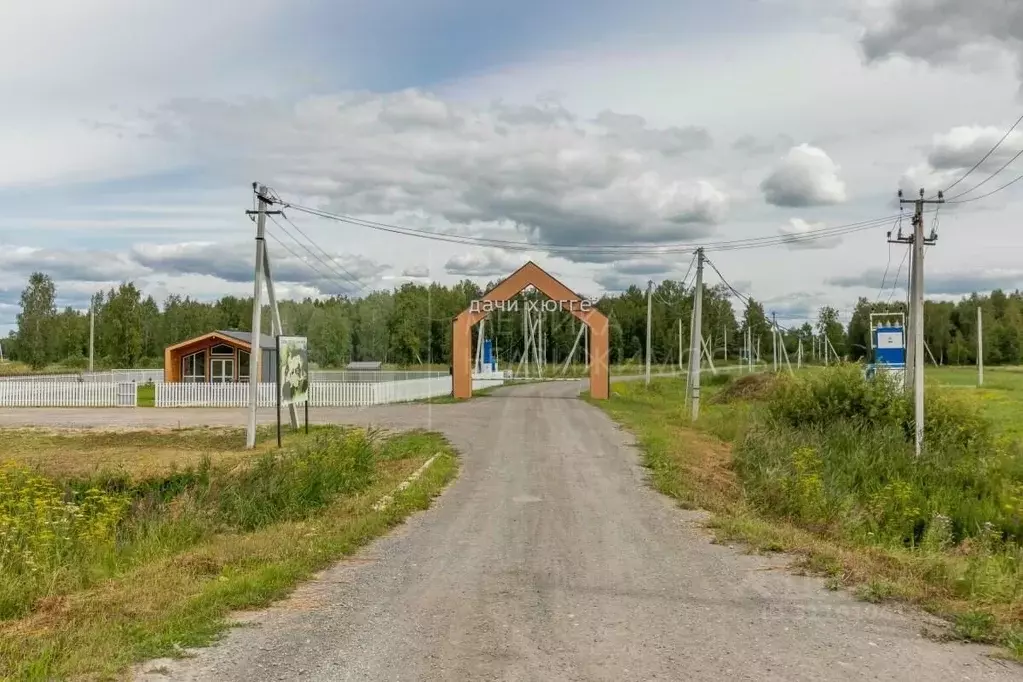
(695, 356)
(774, 339)
(724, 333)
(680, 344)
(980, 347)
(649, 309)
(915, 363)
(92, 333)
(256, 356)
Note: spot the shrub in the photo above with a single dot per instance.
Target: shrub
(832, 449)
(43, 530)
(59, 536)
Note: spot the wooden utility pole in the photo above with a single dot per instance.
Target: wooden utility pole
(915, 359)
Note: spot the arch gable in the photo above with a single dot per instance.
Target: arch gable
(530, 274)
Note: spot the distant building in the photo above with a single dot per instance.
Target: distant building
(218, 357)
(364, 366)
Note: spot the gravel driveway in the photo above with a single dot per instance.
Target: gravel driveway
(550, 559)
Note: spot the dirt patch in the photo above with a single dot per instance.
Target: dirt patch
(746, 387)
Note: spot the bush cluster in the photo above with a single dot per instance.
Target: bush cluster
(834, 451)
(56, 536)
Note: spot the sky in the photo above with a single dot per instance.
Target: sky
(131, 134)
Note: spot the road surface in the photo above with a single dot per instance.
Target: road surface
(550, 559)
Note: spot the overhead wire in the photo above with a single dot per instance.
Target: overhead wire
(337, 277)
(985, 157)
(624, 249)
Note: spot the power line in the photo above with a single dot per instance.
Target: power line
(985, 196)
(320, 273)
(624, 249)
(354, 279)
(329, 263)
(895, 282)
(985, 157)
(990, 177)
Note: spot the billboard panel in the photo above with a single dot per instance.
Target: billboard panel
(293, 368)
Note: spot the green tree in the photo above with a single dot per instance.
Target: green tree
(36, 321)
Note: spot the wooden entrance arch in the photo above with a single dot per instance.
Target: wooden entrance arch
(565, 298)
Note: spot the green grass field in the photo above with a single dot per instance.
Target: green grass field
(1001, 396)
(821, 466)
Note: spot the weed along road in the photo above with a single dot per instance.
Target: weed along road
(550, 558)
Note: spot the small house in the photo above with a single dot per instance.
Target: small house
(218, 357)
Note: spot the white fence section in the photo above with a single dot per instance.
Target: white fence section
(487, 380)
(212, 395)
(321, 393)
(40, 378)
(67, 394)
(415, 389)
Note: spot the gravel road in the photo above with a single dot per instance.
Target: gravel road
(550, 559)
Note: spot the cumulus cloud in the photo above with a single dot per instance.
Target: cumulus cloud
(483, 263)
(79, 274)
(797, 229)
(613, 281)
(940, 283)
(416, 271)
(806, 176)
(943, 31)
(963, 146)
(951, 153)
(756, 146)
(556, 178)
(326, 272)
(646, 266)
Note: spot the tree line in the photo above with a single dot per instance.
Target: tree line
(411, 325)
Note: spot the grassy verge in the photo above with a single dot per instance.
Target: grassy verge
(100, 571)
(821, 466)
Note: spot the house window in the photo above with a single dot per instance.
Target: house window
(243, 366)
(193, 368)
(222, 349)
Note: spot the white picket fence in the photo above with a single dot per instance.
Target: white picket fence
(67, 394)
(321, 393)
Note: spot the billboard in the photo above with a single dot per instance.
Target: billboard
(293, 369)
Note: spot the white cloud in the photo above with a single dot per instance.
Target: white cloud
(557, 178)
(806, 176)
(797, 230)
(485, 263)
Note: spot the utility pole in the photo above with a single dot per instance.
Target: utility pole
(915, 364)
(799, 354)
(92, 333)
(256, 354)
(680, 344)
(724, 333)
(695, 354)
(649, 307)
(774, 339)
(980, 347)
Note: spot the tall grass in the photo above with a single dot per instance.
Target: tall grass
(833, 451)
(60, 535)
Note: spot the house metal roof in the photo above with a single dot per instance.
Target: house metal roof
(266, 342)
